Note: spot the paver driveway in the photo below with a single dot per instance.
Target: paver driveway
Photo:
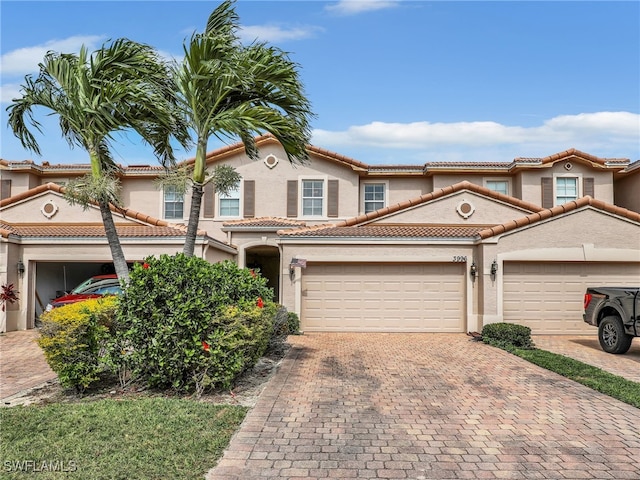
(427, 406)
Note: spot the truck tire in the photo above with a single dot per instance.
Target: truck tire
(612, 336)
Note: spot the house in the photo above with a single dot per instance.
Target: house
(439, 247)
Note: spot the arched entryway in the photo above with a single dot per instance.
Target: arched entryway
(266, 259)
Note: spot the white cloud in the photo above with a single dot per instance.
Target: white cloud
(275, 33)
(9, 91)
(599, 133)
(353, 7)
(25, 60)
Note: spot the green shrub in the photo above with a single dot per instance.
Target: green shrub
(507, 335)
(175, 303)
(294, 323)
(73, 338)
(237, 339)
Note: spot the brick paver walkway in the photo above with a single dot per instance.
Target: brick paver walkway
(22, 364)
(426, 407)
(587, 349)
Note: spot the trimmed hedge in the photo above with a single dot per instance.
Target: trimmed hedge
(507, 335)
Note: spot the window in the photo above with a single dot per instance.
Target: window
(566, 189)
(230, 203)
(173, 203)
(312, 197)
(500, 186)
(373, 197)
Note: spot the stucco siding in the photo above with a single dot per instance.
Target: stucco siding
(627, 192)
(586, 226)
(444, 211)
(29, 211)
(531, 181)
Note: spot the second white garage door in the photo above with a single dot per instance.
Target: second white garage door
(386, 297)
(548, 297)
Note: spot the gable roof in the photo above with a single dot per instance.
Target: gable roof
(125, 212)
(520, 163)
(556, 211)
(361, 226)
(144, 226)
(223, 153)
(361, 220)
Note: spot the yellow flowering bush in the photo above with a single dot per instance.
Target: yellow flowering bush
(73, 338)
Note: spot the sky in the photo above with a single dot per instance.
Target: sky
(390, 82)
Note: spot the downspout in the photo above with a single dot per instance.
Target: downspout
(635, 313)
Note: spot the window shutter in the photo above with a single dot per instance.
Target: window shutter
(5, 189)
(332, 198)
(292, 198)
(208, 201)
(588, 186)
(547, 192)
(249, 198)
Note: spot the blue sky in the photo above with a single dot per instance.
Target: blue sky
(391, 82)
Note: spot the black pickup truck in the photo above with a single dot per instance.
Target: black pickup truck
(616, 313)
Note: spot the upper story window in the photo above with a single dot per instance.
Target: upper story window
(500, 186)
(312, 198)
(173, 203)
(374, 197)
(229, 204)
(566, 189)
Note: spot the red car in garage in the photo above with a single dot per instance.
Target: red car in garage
(94, 287)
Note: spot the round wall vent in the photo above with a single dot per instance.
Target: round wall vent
(271, 161)
(49, 209)
(465, 209)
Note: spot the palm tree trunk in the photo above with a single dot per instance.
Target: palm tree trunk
(119, 261)
(194, 216)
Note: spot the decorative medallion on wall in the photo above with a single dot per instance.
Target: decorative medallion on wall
(49, 209)
(271, 161)
(568, 166)
(465, 209)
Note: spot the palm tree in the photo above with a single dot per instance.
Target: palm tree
(122, 86)
(235, 91)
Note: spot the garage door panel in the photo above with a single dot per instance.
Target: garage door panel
(383, 297)
(547, 297)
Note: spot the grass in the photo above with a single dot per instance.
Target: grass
(613, 385)
(142, 438)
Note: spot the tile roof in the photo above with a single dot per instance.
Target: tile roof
(225, 152)
(523, 162)
(54, 187)
(362, 220)
(558, 210)
(87, 230)
(392, 231)
(264, 222)
(439, 193)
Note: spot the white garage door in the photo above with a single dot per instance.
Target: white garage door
(386, 297)
(548, 297)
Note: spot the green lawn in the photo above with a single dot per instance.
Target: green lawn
(142, 438)
(592, 377)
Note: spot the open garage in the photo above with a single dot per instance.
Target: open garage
(55, 278)
(389, 297)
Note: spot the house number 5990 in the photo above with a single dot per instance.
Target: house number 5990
(459, 258)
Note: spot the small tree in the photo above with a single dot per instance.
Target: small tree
(235, 91)
(122, 86)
